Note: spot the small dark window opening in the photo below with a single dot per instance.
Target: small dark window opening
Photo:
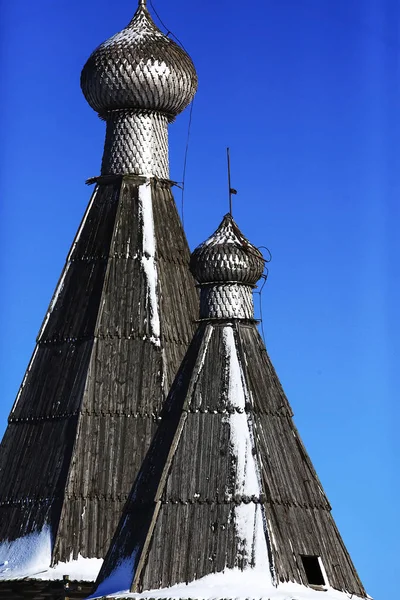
(313, 570)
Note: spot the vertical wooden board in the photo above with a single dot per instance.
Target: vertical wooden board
(267, 394)
(102, 471)
(44, 451)
(124, 377)
(179, 299)
(189, 541)
(201, 466)
(39, 440)
(54, 384)
(304, 531)
(73, 310)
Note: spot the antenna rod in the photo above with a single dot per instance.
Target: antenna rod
(231, 189)
(228, 155)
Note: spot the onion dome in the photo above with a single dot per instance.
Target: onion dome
(227, 256)
(139, 68)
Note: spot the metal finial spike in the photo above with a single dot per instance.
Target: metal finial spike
(230, 188)
(143, 3)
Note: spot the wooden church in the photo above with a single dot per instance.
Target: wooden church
(227, 503)
(151, 450)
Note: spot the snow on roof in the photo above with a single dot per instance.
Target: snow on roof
(148, 257)
(238, 585)
(248, 517)
(30, 557)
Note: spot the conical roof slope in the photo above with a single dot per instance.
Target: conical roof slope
(227, 499)
(115, 333)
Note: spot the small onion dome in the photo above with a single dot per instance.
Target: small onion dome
(227, 256)
(139, 68)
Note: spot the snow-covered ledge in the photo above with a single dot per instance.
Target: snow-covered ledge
(236, 585)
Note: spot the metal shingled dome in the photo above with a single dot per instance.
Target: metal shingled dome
(139, 68)
(227, 256)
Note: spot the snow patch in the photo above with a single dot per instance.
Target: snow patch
(240, 585)
(30, 556)
(80, 569)
(25, 555)
(158, 69)
(128, 36)
(248, 517)
(223, 235)
(247, 478)
(148, 258)
(250, 531)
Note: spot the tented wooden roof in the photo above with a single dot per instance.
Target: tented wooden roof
(227, 482)
(93, 392)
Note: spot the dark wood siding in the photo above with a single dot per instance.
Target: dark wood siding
(179, 523)
(94, 390)
(38, 443)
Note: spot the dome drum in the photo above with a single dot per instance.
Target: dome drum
(226, 301)
(136, 142)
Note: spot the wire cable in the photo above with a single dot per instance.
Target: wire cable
(159, 18)
(264, 277)
(169, 32)
(185, 163)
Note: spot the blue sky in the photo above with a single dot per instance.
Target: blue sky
(307, 95)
